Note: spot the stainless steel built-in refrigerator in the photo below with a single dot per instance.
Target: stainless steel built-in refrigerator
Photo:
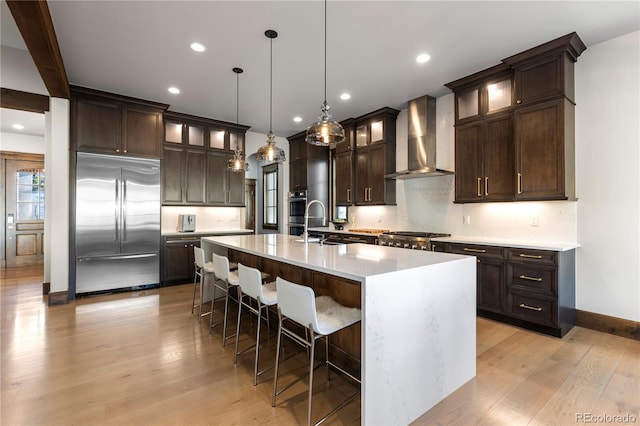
(117, 222)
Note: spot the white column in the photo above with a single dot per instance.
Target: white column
(57, 169)
(48, 189)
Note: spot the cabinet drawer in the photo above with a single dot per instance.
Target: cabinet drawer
(539, 310)
(528, 255)
(533, 277)
(476, 250)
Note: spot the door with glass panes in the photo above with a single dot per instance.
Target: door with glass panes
(25, 200)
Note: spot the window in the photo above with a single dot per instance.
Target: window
(270, 196)
(30, 194)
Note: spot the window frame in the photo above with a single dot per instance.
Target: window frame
(267, 170)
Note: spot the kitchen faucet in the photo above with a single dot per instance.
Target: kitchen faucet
(306, 218)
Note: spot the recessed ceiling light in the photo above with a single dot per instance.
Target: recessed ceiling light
(18, 126)
(174, 90)
(198, 47)
(421, 59)
(297, 119)
(345, 96)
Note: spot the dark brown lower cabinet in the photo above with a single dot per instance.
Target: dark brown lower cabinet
(491, 275)
(530, 288)
(177, 259)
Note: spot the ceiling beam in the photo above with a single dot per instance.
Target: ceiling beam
(35, 25)
(24, 101)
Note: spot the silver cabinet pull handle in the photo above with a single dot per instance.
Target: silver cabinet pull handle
(474, 250)
(519, 183)
(479, 192)
(530, 256)
(525, 277)
(486, 185)
(533, 308)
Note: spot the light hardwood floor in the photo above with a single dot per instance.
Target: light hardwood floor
(141, 358)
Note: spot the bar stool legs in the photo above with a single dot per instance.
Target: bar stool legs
(202, 270)
(225, 280)
(251, 288)
(320, 317)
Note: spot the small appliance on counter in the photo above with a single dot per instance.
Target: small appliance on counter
(186, 223)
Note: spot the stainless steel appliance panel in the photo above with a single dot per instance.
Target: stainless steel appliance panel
(97, 209)
(99, 273)
(140, 209)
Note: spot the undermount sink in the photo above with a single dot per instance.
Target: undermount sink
(315, 240)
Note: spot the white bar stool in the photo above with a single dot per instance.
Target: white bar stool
(224, 280)
(265, 296)
(202, 270)
(320, 316)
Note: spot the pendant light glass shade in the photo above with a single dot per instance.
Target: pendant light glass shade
(237, 163)
(270, 153)
(325, 131)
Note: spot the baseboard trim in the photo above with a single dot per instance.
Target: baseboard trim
(612, 325)
(46, 288)
(58, 298)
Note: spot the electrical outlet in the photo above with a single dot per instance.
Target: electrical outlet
(466, 220)
(534, 221)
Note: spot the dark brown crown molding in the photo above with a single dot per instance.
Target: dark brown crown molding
(35, 25)
(24, 101)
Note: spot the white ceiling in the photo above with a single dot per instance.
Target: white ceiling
(140, 48)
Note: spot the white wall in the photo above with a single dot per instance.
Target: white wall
(56, 162)
(21, 143)
(608, 177)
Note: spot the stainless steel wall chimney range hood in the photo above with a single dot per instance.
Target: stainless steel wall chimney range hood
(421, 148)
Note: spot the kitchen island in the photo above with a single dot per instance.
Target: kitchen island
(417, 339)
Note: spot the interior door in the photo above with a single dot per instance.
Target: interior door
(25, 201)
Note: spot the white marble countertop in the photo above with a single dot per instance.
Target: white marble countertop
(200, 233)
(504, 242)
(352, 261)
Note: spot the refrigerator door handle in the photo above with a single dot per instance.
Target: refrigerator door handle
(124, 210)
(117, 210)
(131, 256)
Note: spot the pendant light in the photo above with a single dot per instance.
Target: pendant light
(270, 153)
(237, 163)
(325, 131)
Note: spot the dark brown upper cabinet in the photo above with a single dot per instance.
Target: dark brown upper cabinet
(547, 71)
(375, 157)
(483, 94)
(106, 123)
(195, 155)
(308, 166)
(344, 169)
(515, 126)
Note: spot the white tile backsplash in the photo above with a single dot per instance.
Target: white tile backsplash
(207, 218)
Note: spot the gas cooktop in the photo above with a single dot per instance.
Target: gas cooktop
(417, 234)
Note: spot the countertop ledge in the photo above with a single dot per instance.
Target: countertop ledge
(503, 242)
(207, 233)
